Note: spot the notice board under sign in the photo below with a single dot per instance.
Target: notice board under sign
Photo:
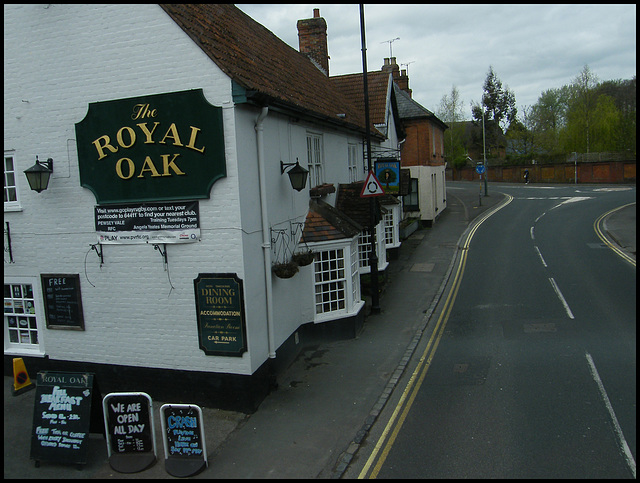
(220, 312)
(62, 301)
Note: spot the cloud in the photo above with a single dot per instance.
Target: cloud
(532, 48)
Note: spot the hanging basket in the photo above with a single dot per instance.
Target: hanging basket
(285, 270)
(303, 258)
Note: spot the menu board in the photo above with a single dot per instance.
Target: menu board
(63, 302)
(183, 436)
(130, 431)
(61, 417)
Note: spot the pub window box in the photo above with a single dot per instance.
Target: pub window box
(322, 190)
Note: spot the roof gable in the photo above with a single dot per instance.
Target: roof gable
(258, 61)
(410, 109)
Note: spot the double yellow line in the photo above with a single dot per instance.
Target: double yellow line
(391, 431)
(601, 235)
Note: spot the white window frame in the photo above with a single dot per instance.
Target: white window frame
(315, 159)
(344, 277)
(364, 249)
(391, 221)
(31, 311)
(353, 163)
(8, 185)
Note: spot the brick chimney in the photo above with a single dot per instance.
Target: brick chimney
(312, 37)
(400, 78)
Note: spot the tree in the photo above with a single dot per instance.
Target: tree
(584, 101)
(451, 112)
(522, 135)
(498, 106)
(549, 117)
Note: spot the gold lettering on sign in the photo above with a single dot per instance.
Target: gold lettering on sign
(130, 165)
(140, 111)
(127, 136)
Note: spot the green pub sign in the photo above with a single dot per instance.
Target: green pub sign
(151, 148)
(222, 327)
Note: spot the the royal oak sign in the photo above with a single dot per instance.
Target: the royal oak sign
(151, 148)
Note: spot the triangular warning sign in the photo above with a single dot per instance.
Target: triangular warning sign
(372, 186)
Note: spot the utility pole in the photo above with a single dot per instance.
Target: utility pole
(484, 153)
(373, 258)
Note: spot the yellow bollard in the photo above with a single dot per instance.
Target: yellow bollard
(21, 381)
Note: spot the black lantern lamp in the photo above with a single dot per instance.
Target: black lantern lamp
(297, 174)
(38, 175)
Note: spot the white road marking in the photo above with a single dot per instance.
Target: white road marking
(540, 255)
(559, 294)
(621, 440)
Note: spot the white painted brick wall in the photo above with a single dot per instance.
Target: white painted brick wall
(58, 59)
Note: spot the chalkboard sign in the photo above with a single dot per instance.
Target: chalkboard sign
(185, 452)
(61, 417)
(128, 421)
(62, 301)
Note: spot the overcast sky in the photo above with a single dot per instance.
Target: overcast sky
(532, 48)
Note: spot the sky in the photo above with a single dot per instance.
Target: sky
(532, 48)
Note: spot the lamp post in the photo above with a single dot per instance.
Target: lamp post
(373, 258)
(484, 153)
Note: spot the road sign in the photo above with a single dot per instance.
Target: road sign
(480, 168)
(371, 187)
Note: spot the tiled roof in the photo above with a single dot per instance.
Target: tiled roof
(357, 208)
(410, 109)
(269, 69)
(325, 223)
(351, 85)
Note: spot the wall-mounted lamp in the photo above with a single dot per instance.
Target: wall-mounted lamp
(38, 175)
(297, 174)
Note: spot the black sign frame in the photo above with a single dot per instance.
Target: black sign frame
(62, 416)
(222, 327)
(130, 447)
(183, 437)
(62, 301)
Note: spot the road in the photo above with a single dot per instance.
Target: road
(528, 370)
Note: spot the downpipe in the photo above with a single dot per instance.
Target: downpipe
(266, 238)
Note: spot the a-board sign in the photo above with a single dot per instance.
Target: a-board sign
(62, 417)
(128, 422)
(62, 301)
(185, 452)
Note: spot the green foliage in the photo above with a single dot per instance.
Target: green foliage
(584, 116)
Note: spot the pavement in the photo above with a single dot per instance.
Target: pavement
(329, 397)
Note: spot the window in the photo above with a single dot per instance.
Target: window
(411, 201)
(337, 281)
(389, 229)
(364, 249)
(21, 319)
(330, 281)
(314, 159)
(10, 188)
(353, 163)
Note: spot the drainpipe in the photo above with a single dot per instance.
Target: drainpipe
(266, 237)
